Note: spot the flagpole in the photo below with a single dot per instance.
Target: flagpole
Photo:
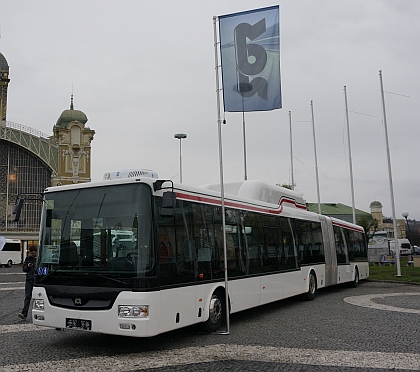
(350, 161)
(243, 126)
(397, 248)
(316, 161)
(222, 190)
(291, 149)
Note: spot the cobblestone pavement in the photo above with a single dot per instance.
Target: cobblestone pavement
(375, 327)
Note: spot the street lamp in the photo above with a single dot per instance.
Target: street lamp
(405, 215)
(180, 136)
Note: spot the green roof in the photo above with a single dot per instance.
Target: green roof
(332, 209)
(71, 115)
(68, 116)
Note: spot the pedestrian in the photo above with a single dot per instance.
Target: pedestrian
(29, 269)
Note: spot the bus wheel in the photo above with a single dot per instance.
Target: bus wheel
(355, 282)
(310, 295)
(216, 312)
(9, 263)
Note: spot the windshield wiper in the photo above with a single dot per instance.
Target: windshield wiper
(108, 277)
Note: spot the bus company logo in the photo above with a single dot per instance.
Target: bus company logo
(245, 69)
(77, 301)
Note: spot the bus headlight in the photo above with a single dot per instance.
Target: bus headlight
(133, 311)
(39, 304)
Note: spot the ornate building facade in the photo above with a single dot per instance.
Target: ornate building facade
(4, 83)
(30, 161)
(387, 224)
(73, 139)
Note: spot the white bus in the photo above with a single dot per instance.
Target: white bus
(173, 275)
(11, 253)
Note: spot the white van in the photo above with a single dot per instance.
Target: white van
(11, 253)
(405, 246)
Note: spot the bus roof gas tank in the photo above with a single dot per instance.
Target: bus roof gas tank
(129, 173)
(261, 191)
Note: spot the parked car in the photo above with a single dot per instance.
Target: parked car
(416, 250)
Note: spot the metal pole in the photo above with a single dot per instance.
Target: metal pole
(397, 248)
(316, 161)
(222, 190)
(350, 161)
(408, 229)
(180, 161)
(180, 136)
(405, 215)
(7, 184)
(243, 126)
(291, 150)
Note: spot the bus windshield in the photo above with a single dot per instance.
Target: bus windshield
(100, 232)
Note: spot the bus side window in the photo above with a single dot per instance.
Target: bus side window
(166, 250)
(318, 246)
(166, 245)
(289, 260)
(185, 268)
(340, 246)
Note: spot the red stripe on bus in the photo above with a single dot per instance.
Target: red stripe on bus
(291, 201)
(347, 226)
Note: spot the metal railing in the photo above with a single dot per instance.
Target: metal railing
(24, 128)
(38, 143)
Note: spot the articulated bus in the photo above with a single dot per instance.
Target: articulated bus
(140, 256)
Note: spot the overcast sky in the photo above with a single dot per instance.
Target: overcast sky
(144, 70)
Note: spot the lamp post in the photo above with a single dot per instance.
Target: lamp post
(405, 215)
(180, 136)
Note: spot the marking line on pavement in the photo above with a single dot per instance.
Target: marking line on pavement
(366, 301)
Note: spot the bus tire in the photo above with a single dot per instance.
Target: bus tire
(355, 281)
(9, 263)
(216, 312)
(311, 294)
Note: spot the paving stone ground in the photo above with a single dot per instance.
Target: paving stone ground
(343, 329)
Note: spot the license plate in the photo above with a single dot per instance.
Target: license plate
(79, 324)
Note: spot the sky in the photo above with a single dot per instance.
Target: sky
(144, 70)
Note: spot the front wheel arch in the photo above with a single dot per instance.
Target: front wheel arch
(216, 310)
(355, 282)
(312, 287)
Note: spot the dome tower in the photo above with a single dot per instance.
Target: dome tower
(73, 139)
(376, 211)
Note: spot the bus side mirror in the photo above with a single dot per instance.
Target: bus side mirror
(168, 204)
(17, 208)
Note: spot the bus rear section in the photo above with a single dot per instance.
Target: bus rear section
(11, 253)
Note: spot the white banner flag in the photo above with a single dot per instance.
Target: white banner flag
(250, 55)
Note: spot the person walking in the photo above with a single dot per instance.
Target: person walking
(29, 269)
